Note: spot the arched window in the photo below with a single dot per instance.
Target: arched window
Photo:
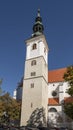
(34, 46)
(33, 62)
(52, 110)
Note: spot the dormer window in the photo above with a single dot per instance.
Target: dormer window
(34, 46)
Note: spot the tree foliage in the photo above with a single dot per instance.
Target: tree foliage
(68, 76)
(68, 109)
(37, 118)
(9, 109)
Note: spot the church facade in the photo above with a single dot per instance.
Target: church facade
(42, 92)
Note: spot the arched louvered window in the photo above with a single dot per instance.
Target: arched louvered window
(52, 110)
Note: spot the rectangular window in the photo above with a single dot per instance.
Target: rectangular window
(32, 85)
(31, 105)
(34, 46)
(33, 73)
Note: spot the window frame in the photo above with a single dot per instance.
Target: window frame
(34, 46)
(52, 109)
(32, 85)
(33, 73)
(33, 62)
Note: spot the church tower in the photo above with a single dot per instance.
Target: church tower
(35, 82)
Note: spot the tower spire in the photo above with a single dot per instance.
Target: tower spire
(38, 12)
(38, 26)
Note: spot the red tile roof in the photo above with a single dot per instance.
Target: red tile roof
(56, 75)
(68, 99)
(53, 101)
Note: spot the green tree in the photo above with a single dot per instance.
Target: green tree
(68, 77)
(9, 109)
(37, 118)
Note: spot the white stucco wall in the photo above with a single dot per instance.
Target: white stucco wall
(58, 86)
(15, 94)
(39, 51)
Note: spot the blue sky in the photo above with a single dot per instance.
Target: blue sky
(16, 21)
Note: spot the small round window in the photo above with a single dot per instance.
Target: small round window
(54, 93)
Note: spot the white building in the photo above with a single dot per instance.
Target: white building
(42, 88)
(57, 96)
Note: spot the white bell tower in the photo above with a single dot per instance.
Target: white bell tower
(35, 84)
